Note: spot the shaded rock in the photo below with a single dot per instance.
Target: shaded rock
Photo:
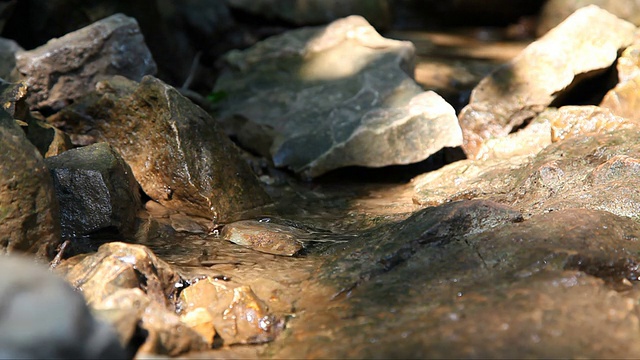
(587, 41)
(8, 50)
(472, 279)
(317, 99)
(42, 317)
(236, 313)
(96, 191)
(264, 237)
(623, 99)
(314, 12)
(176, 151)
(555, 11)
(29, 214)
(66, 68)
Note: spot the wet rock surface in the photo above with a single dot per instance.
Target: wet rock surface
(176, 150)
(96, 191)
(29, 213)
(65, 69)
(584, 43)
(337, 96)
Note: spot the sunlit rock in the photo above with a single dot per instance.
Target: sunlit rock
(176, 150)
(555, 11)
(96, 191)
(237, 314)
(623, 99)
(29, 214)
(317, 99)
(587, 41)
(43, 317)
(64, 69)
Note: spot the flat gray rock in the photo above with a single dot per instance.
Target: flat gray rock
(318, 99)
(68, 67)
(587, 41)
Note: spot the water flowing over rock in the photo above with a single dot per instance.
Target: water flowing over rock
(587, 41)
(64, 69)
(43, 317)
(176, 150)
(317, 99)
(29, 214)
(96, 191)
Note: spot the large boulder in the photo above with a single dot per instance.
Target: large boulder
(318, 99)
(64, 69)
(176, 151)
(96, 191)
(29, 215)
(589, 40)
(555, 11)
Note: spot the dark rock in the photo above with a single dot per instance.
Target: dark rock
(314, 12)
(66, 68)
(8, 50)
(29, 215)
(584, 43)
(43, 317)
(176, 151)
(317, 99)
(96, 190)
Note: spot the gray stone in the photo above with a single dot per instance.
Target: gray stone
(313, 12)
(64, 69)
(317, 99)
(587, 41)
(43, 317)
(8, 50)
(177, 152)
(29, 215)
(96, 190)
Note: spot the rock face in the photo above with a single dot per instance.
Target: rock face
(29, 217)
(66, 68)
(317, 99)
(176, 150)
(585, 42)
(43, 317)
(96, 191)
(623, 99)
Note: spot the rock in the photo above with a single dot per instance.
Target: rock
(181, 159)
(334, 96)
(66, 68)
(42, 317)
(592, 171)
(623, 99)
(8, 50)
(314, 12)
(265, 237)
(96, 191)
(555, 11)
(29, 214)
(570, 121)
(584, 43)
(236, 313)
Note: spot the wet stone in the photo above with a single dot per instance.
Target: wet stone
(317, 99)
(265, 237)
(586, 42)
(61, 71)
(29, 213)
(181, 159)
(96, 191)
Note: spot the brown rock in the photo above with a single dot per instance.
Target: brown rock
(265, 237)
(29, 217)
(176, 151)
(623, 100)
(587, 41)
(66, 68)
(555, 11)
